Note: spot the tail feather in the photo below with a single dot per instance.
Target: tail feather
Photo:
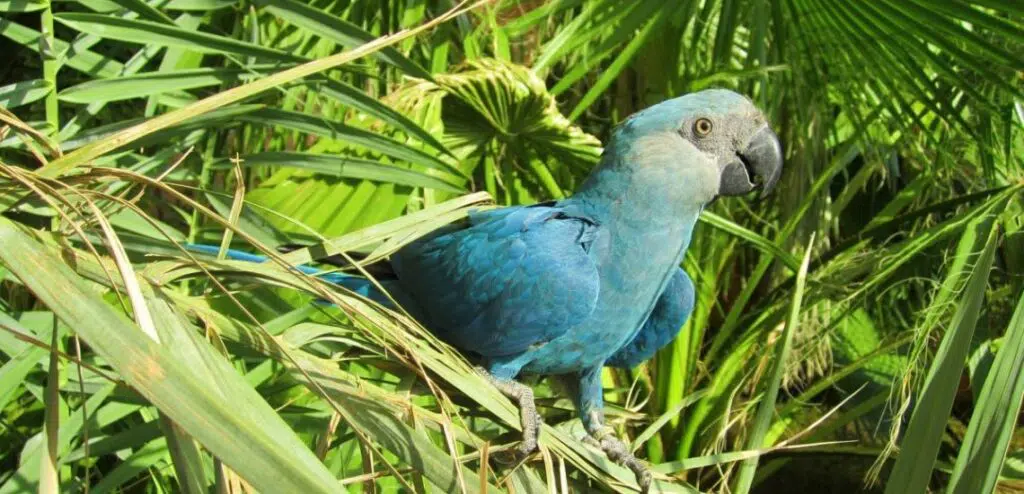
(379, 269)
(357, 284)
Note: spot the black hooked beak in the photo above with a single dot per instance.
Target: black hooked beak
(759, 165)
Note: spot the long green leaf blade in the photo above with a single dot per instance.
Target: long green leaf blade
(94, 150)
(341, 166)
(921, 443)
(155, 33)
(152, 83)
(340, 31)
(23, 92)
(252, 439)
(323, 127)
(766, 409)
(980, 461)
(12, 6)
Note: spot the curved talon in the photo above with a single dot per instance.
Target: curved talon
(617, 451)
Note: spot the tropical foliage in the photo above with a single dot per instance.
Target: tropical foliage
(863, 328)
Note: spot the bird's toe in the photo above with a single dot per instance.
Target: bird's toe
(617, 451)
(518, 454)
(644, 478)
(525, 449)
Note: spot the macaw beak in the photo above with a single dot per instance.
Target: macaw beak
(758, 165)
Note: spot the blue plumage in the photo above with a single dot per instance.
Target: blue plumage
(357, 284)
(567, 287)
(512, 279)
(670, 313)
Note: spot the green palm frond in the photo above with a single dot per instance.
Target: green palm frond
(499, 119)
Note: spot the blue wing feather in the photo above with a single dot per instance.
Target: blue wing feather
(670, 312)
(513, 278)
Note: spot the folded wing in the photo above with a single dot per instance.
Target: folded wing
(512, 279)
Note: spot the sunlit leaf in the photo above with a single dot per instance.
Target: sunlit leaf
(23, 93)
(340, 166)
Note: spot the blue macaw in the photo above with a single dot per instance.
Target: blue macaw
(566, 287)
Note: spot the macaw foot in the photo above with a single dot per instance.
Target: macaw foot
(604, 437)
(528, 416)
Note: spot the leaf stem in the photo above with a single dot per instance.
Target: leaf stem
(47, 52)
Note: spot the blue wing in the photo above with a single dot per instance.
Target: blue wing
(670, 312)
(513, 278)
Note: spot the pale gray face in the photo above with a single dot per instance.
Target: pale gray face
(716, 135)
(734, 135)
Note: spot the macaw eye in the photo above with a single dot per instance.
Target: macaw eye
(702, 127)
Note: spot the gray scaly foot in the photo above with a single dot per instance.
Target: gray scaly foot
(604, 437)
(528, 416)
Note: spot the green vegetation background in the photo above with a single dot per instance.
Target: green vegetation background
(893, 355)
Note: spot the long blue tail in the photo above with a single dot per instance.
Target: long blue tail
(357, 284)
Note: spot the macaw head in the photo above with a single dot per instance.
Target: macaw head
(714, 142)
